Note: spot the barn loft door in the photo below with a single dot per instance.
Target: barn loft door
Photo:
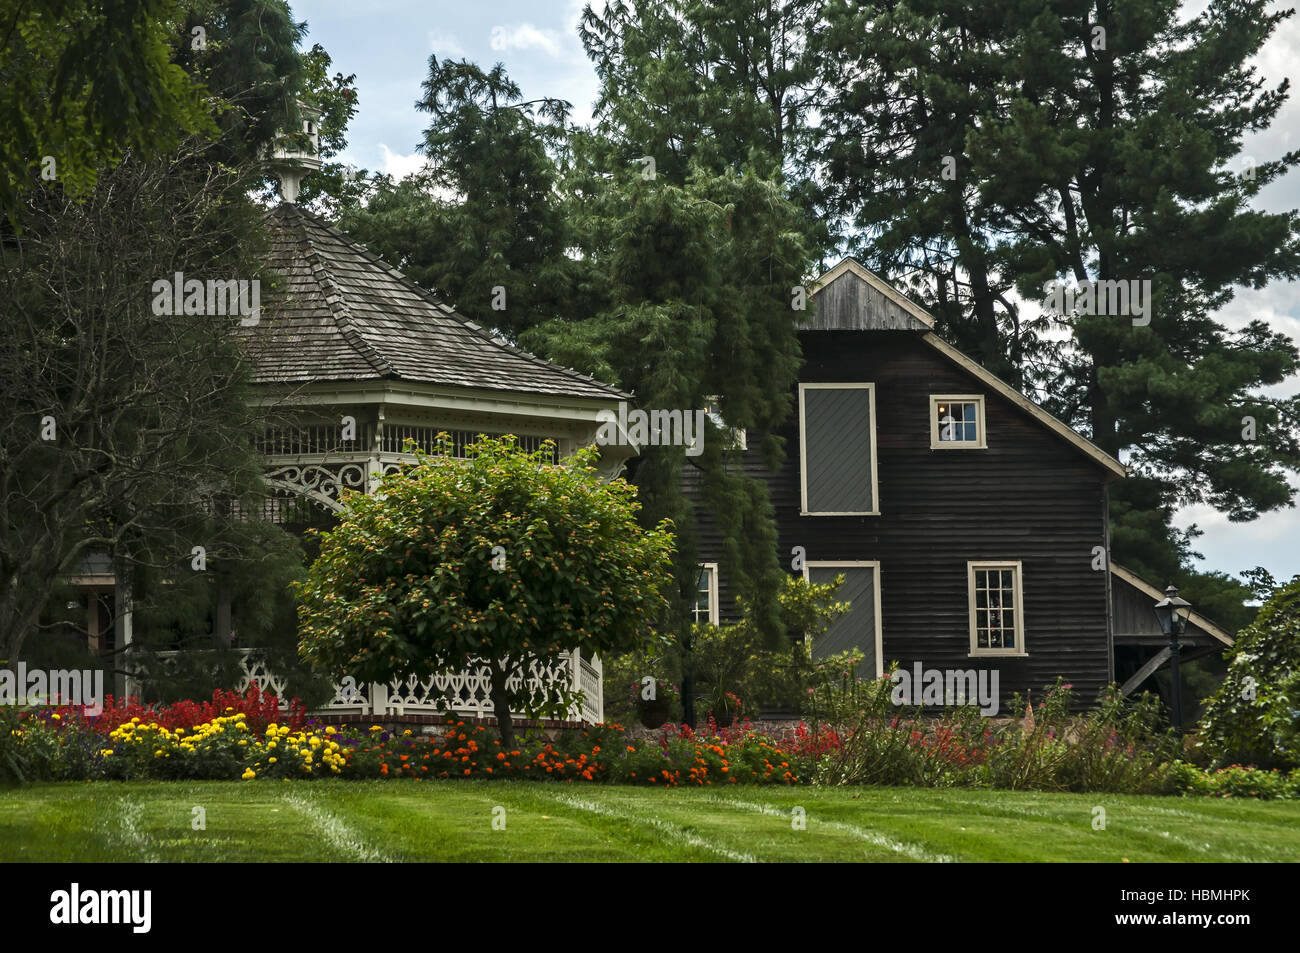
(860, 627)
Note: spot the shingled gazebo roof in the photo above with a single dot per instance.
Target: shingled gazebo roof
(344, 314)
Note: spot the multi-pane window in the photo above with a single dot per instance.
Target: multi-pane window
(996, 608)
(705, 609)
(956, 421)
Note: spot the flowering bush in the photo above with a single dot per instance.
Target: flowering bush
(1239, 781)
(257, 708)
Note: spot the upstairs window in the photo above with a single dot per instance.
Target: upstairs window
(837, 450)
(957, 422)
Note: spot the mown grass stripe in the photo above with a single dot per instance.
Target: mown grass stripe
(671, 831)
(340, 835)
(875, 838)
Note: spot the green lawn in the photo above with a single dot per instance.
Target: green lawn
(452, 821)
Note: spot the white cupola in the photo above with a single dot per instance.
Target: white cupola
(296, 156)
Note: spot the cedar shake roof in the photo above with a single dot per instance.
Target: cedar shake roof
(343, 314)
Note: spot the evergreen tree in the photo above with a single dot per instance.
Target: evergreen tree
(1092, 142)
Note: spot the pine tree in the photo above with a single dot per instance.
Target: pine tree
(1092, 142)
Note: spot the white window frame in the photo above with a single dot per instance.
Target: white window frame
(981, 443)
(880, 624)
(803, 450)
(1020, 650)
(712, 570)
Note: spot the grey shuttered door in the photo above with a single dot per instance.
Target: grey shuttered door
(856, 629)
(837, 444)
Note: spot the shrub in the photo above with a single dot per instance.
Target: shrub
(863, 738)
(502, 555)
(737, 669)
(1254, 717)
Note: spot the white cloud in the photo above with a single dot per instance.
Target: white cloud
(400, 166)
(525, 36)
(446, 46)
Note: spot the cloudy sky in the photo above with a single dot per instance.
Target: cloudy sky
(387, 43)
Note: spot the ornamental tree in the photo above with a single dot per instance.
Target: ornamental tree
(500, 557)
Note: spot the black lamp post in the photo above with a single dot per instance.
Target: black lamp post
(1171, 613)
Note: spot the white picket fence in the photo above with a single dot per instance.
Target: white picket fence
(467, 693)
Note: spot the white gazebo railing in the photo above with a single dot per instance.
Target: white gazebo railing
(467, 693)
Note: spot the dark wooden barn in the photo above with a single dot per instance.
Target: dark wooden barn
(970, 525)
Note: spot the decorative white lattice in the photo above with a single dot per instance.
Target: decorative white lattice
(467, 692)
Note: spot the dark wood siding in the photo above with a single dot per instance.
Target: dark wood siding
(1031, 496)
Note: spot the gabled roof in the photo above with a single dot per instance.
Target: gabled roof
(850, 297)
(859, 300)
(344, 314)
(1140, 585)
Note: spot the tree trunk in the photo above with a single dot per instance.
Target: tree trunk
(501, 704)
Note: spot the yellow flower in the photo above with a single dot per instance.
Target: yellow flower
(249, 774)
(271, 760)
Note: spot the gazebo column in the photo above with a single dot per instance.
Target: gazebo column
(123, 683)
(374, 468)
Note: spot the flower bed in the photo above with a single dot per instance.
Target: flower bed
(50, 745)
(1109, 750)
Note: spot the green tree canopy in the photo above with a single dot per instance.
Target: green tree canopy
(502, 558)
(1255, 715)
(987, 149)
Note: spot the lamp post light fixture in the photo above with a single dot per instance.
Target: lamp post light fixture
(1172, 612)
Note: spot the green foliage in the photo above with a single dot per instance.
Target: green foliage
(14, 758)
(624, 672)
(85, 82)
(1254, 718)
(602, 266)
(250, 64)
(1078, 159)
(153, 451)
(736, 660)
(860, 736)
(699, 275)
(412, 581)
(1236, 781)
